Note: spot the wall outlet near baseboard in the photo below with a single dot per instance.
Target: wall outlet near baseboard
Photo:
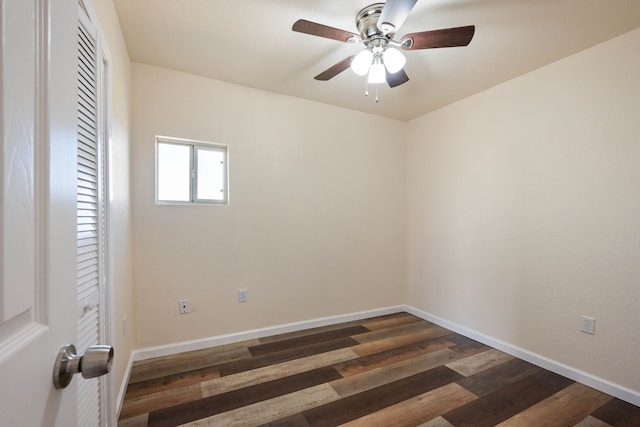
(185, 306)
(588, 325)
(242, 295)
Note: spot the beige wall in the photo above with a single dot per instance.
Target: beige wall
(523, 211)
(315, 226)
(119, 211)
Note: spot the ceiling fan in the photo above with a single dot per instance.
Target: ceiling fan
(380, 60)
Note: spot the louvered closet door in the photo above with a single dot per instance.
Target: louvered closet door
(91, 223)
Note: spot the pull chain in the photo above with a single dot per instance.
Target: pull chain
(366, 88)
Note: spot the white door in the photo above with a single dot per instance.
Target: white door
(38, 105)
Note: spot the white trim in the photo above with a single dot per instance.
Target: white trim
(123, 387)
(169, 349)
(606, 386)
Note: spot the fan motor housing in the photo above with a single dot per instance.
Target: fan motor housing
(367, 20)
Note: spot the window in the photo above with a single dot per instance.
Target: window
(190, 172)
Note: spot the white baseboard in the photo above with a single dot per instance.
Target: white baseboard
(169, 349)
(123, 386)
(617, 390)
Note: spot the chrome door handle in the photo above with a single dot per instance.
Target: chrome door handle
(96, 361)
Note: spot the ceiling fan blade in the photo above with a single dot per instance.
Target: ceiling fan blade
(448, 37)
(394, 14)
(396, 79)
(315, 29)
(334, 70)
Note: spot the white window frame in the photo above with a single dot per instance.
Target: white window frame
(193, 190)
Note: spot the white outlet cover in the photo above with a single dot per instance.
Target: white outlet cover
(588, 324)
(184, 306)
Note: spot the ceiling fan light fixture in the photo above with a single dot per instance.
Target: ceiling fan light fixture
(362, 62)
(381, 58)
(377, 75)
(394, 60)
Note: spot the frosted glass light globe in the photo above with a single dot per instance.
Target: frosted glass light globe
(362, 62)
(394, 60)
(377, 74)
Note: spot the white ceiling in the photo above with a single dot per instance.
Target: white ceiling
(250, 42)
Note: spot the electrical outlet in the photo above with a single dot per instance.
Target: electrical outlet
(242, 295)
(185, 306)
(588, 325)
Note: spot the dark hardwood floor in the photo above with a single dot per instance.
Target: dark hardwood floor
(395, 370)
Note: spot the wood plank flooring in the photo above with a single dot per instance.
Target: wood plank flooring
(395, 370)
